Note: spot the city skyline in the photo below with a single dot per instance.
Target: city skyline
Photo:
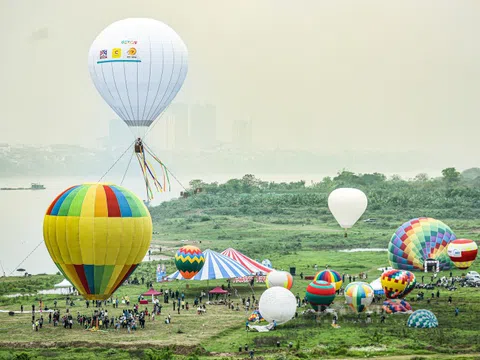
(185, 127)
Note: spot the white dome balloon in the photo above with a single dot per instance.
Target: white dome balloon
(138, 66)
(347, 206)
(279, 278)
(279, 304)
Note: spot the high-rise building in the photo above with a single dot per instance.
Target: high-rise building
(179, 115)
(242, 134)
(119, 135)
(203, 126)
(161, 134)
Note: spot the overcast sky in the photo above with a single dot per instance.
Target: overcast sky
(321, 75)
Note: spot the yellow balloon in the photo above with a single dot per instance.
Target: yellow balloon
(97, 234)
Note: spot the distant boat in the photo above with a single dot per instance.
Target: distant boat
(33, 186)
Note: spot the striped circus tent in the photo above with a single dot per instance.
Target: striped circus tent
(253, 266)
(217, 266)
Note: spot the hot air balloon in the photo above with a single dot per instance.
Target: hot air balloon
(358, 295)
(347, 205)
(462, 252)
(138, 66)
(97, 234)
(279, 278)
(277, 303)
(396, 306)
(397, 283)
(419, 240)
(189, 261)
(330, 276)
(422, 319)
(320, 294)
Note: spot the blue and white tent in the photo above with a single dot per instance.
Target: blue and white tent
(377, 287)
(217, 266)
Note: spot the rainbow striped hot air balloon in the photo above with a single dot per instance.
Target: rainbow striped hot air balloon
(418, 240)
(330, 276)
(358, 295)
(397, 283)
(97, 234)
(320, 294)
(462, 252)
(279, 278)
(189, 261)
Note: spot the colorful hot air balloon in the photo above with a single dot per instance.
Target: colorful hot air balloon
(347, 205)
(320, 294)
(422, 319)
(397, 283)
(396, 306)
(358, 295)
(419, 240)
(462, 252)
(189, 261)
(279, 278)
(330, 276)
(97, 234)
(138, 66)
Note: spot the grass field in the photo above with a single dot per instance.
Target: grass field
(290, 238)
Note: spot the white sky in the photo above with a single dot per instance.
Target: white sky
(321, 75)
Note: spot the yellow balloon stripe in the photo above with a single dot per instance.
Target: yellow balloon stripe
(189, 259)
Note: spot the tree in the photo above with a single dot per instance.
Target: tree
(195, 184)
(450, 175)
(471, 174)
(346, 177)
(422, 177)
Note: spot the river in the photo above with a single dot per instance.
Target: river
(22, 212)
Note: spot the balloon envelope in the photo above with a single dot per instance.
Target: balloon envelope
(138, 66)
(418, 240)
(396, 306)
(358, 295)
(320, 294)
(97, 234)
(279, 278)
(330, 276)
(397, 283)
(189, 261)
(277, 303)
(347, 205)
(462, 252)
(422, 319)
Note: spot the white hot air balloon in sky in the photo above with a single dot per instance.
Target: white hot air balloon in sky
(347, 206)
(138, 66)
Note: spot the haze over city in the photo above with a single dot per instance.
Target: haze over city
(332, 78)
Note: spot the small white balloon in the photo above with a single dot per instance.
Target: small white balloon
(347, 205)
(279, 278)
(279, 304)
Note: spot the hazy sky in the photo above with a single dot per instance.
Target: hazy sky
(323, 75)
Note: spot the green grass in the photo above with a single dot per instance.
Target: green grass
(290, 236)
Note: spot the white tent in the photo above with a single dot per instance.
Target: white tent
(377, 287)
(64, 284)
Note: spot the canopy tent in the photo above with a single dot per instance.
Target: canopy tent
(253, 266)
(377, 287)
(216, 266)
(218, 290)
(152, 292)
(64, 284)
